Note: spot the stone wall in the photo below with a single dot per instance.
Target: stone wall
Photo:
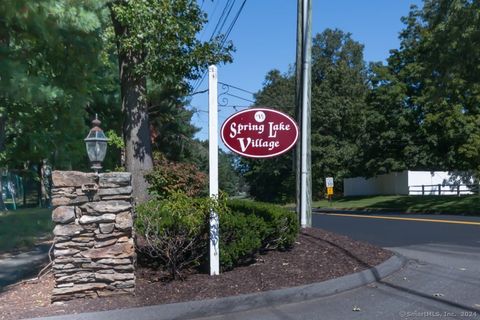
(94, 252)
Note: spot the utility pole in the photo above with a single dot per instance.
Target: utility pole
(303, 112)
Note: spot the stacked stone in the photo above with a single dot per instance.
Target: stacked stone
(94, 251)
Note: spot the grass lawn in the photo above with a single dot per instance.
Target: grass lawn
(21, 228)
(441, 204)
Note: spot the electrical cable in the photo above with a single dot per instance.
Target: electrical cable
(237, 88)
(223, 18)
(229, 30)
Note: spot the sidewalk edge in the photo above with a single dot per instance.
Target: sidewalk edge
(212, 307)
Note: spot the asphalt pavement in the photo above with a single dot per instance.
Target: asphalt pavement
(15, 267)
(441, 279)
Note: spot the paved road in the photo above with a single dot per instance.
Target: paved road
(441, 279)
(20, 266)
(417, 230)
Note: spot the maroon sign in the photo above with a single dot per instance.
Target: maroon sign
(259, 133)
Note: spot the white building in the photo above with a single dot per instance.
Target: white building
(407, 183)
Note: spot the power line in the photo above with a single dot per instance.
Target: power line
(237, 88)
(223, 18)
(238, 97)
(216, 31)
(229, 30)
(212, 15)
(227, 34)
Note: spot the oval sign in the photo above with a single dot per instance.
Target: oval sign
(259, 133)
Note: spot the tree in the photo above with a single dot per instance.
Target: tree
(48, 57)
(339, 91)
(390, 141)
(273, 179)
(156, 40)
(438, 64)
(171, 130)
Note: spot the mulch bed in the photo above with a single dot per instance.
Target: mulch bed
(318, 255)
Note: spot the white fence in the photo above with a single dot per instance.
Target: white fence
(446, 189)
(409, 183)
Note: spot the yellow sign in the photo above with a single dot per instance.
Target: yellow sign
(330, 191)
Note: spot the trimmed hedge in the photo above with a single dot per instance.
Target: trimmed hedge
(240, 238)
(175, 231)
(282, 224)
(251, 227)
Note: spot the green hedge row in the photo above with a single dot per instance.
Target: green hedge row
(251, 227)
(175, 231)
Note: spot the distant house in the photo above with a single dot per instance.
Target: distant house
(409, 183)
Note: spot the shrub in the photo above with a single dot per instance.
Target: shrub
(240, 238)
(174, 231)
(169, 177)
(282, 224)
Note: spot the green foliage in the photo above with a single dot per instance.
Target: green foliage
(281, 224)
(241, 238)
(170, 122)
(59, 66)
(339, 91)
(391, 141)
(273, 179)
(175, 230)
(169, 177)
(438, 64)
(164, 33)
(114, 140)
(48, 59)
(463, 205)
(156, 42)
(193, 153)
(231, 182)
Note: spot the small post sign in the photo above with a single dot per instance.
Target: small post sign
(329, 185)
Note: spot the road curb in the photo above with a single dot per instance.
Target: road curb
(212, 307)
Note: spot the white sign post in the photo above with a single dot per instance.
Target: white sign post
(213, 167)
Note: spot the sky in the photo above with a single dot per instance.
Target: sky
(264, 36)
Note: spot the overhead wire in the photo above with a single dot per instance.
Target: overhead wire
(211, 15)
(224, 20)
(216, 31)
(229, 30)
(227, 34)
(235, 87)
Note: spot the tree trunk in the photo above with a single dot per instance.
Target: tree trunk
(138, 149)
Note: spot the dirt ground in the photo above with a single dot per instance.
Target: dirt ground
(318, 255)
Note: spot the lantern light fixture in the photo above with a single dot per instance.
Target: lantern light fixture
(96, 144)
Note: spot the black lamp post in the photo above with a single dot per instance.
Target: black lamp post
(96, 143)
